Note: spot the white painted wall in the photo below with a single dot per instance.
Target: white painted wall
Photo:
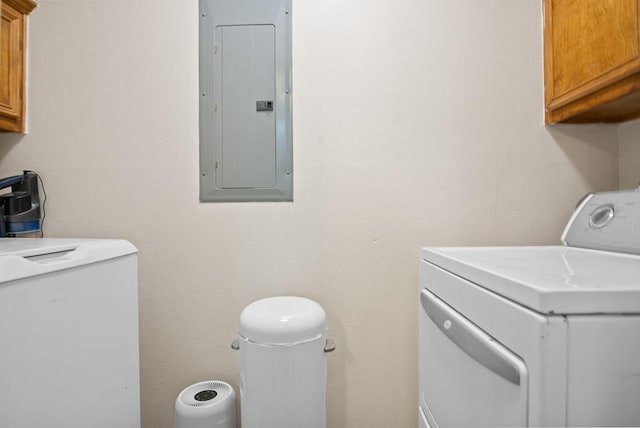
(416, 122)
(629, 141)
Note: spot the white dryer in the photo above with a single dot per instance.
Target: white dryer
(536, 336)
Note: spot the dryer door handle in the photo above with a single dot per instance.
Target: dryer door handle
(472, 340)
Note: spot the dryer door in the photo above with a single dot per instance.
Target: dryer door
(466, 377)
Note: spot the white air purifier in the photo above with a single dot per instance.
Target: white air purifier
(210, 404)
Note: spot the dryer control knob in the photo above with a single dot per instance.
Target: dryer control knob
(601, 216)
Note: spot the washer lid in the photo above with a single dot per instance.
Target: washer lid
(22, 258)
(29, 247)
(283, 320)
(554, 279)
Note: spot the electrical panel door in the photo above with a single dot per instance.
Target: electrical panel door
(245, 105)
(247, 132)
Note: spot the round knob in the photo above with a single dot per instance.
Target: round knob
(601, 216)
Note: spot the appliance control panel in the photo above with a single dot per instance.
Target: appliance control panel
(607, 221)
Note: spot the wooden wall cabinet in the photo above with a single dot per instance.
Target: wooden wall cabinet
(591, 60)
(13, 42)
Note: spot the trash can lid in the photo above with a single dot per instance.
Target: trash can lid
(282, 320)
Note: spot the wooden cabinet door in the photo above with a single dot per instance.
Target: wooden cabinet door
(592, 57)
(12, 63)
(12, 70)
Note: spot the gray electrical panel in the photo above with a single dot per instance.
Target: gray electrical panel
(246, 149)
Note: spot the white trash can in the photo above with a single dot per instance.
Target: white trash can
(283, 370)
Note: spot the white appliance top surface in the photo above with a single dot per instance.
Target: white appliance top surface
(549, 279)
(22, 258)
(26, 247)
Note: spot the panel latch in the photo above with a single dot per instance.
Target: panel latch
(264, 105)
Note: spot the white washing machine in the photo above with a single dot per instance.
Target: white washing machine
(536, 336)
(69, 354)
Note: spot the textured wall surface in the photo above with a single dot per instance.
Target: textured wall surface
(629, 140)
(416, 123)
